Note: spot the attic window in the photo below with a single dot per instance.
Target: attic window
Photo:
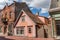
(23, 18)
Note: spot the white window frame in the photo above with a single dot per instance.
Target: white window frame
(20, 31)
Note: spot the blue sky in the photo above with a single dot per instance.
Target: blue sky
(41, 6)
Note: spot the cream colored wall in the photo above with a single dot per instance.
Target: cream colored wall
(28, 22)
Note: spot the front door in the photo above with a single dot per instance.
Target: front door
(58, 27)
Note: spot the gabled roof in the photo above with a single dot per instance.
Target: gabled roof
(32, 16)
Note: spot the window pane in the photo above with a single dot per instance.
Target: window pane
(21, 31)
(29, 30)
(17, 31)
(58, 27)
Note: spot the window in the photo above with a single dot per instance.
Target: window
(0, 29)
(20, 30)
(58, 27)
(23, 18)
(29, 29)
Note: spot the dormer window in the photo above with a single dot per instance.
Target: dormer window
(23, 18)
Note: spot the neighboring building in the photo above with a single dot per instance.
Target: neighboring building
(17, 20)
(55, 3)
(55, 19)
(55, 14)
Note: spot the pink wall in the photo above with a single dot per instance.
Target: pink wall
(27, 22)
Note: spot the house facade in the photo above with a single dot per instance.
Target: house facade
(17, 20)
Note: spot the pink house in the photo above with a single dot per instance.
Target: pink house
(30, 25)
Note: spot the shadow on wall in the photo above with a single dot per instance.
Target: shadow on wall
(3, 38)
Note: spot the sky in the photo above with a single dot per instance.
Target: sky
(41, 6)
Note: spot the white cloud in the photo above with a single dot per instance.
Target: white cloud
(27, 1)
(43, 10)
(32, 3)
(3, 3)
(1, 0)
(1, 6)
(31, 8)
(38, 3)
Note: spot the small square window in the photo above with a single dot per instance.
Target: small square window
(23, 18)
